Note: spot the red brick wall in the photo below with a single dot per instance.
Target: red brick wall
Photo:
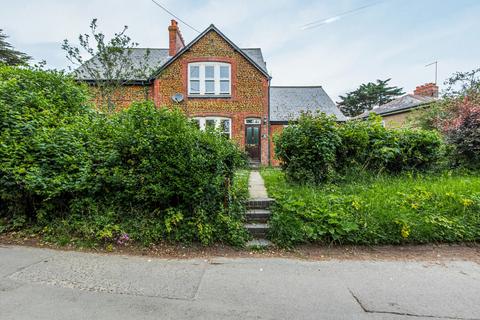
(124, 97)
(249, 88)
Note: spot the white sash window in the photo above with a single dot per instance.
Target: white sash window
(224, 125)
(209, 79)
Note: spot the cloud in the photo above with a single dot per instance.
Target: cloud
(395, 39)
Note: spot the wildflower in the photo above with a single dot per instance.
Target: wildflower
(123, 239)
(405, 231)
(415, 206)
(467, 202)
(356, 205)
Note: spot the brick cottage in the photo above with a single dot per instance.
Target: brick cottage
(218, 84)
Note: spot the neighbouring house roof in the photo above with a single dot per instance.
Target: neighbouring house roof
(403, 104)
(158, 59)
(287, 103)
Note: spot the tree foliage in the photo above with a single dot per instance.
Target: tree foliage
(367, 96)
(457, 116)
(110, 64)
(10, 56)
(462, 84)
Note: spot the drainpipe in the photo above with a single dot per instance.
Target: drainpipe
(268, 124)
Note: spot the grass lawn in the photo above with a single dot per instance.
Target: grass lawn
(370, 209)
(240, 182)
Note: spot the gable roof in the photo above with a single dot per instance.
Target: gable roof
(402, 104)
(158, 59)
(287, 103)
(253, 55)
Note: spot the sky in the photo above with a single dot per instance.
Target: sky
(387, 39)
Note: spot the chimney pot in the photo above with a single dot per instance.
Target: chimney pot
(427, 90)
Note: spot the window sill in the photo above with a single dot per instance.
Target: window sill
(212, 96)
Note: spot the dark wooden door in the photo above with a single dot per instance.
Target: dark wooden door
(252, 141)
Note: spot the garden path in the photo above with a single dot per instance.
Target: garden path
(256, 186)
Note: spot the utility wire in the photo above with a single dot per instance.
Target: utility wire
(174, 15)
(320, 22)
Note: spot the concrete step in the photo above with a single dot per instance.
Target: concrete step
(258, 243)
(258, 230)
(255, 165)
(259, 203)
(258, 215)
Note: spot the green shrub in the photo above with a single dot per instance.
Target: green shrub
(418, 149)
(307, 149)
(364, 143)
(370, 210)
(84, 176)
(317, 149)
(370, 145)
(41, 151)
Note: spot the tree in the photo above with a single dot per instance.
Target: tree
(110, 65)
(457, 116)
(367, 96)
(10, 56)
(462, 90)
(462, 84)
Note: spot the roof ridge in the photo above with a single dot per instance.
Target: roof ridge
(318, 86)
(150, 48)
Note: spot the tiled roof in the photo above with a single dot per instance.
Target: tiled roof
(256, 55)
(156, 59)
(404, 103)
(159, 58)
(287, 103)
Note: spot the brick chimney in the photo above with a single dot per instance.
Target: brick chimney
(175, 38)
(427, 90)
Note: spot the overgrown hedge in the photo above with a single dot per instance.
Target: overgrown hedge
(79, 175)
(317, 149)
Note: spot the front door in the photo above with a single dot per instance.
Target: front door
(252, 141)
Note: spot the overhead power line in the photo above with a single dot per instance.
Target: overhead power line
(174, 15)
(320, 22)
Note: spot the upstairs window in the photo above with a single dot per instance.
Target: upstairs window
(209, 79)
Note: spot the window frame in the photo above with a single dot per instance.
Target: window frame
(253, 121)
(217, 79)
(202, 121)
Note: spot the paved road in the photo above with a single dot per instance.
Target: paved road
(48, 284)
